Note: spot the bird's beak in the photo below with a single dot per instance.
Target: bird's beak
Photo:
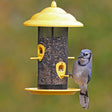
(81, 56)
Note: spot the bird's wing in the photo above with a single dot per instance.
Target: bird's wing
(89, 76)
(90, 67)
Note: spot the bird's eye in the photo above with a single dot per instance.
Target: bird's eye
(85, 54)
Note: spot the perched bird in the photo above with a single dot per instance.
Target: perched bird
(81, 73)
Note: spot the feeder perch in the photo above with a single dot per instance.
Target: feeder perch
(71, 57)
(52, 50)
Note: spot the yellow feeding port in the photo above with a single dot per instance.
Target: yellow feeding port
(40, 52)
(61, 69)
(53, 17)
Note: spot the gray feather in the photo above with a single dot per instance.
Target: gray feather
(84, 99)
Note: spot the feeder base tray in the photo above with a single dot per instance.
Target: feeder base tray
(69, 91)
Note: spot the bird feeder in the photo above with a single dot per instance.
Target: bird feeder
(52, 50)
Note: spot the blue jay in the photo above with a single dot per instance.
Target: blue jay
(81, 73)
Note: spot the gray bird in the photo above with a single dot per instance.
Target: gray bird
(81, 73)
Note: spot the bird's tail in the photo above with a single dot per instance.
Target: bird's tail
(84, 99)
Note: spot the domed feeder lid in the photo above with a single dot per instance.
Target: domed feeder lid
(53, 17)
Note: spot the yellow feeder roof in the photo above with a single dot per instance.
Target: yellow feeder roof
(53, 17)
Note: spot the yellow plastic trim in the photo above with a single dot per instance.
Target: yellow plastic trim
(53, 17)
(61, 69)
(53, 4)
(35, 58)
(71, 57)
(40, 52)
(37, 91)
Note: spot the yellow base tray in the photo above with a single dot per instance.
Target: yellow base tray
(69, 91)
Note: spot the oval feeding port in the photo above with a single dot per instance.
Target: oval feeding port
(40, 51)
(61, 67)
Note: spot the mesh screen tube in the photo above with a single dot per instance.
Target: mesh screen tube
(55, 41)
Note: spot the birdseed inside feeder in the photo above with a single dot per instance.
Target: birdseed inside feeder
(52, 50)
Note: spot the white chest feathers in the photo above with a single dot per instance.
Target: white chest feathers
(80, 74)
